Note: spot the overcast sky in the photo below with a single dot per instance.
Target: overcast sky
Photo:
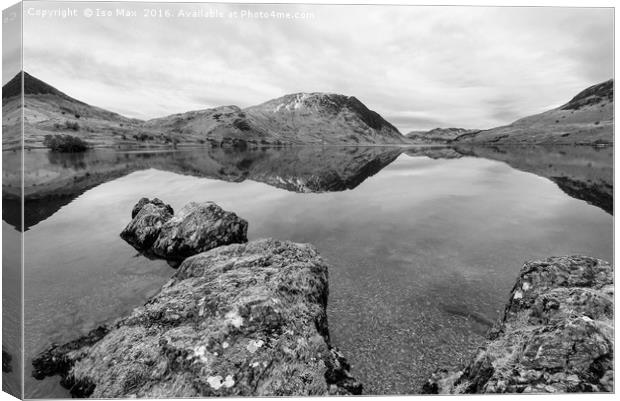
(419, 67)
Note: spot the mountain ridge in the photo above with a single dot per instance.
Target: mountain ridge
(304, 118)
(309, 118)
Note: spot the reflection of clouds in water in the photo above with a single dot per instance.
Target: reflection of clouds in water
(179, 190)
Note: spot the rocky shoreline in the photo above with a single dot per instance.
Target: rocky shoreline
(556, 334)
(243, 318)
(246, 319)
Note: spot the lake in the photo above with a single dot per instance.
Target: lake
(424, 244)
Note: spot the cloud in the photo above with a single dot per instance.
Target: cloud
(420, 67)
(11, 42)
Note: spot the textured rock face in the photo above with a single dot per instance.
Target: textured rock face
(240, 320)
(144, 201)
(148, 217)
(556, 334)
(198, 227)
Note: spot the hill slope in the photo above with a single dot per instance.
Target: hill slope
(588, 119)
(322, 118)
(438, 135)
(302, 118)
(50, 111)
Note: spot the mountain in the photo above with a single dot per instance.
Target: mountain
(302, 118)
(32, 86)
(298, 119)
(438, 135)
(588, 119)
(49, 111)
(322, 118)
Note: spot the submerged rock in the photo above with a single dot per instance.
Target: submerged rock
(156, 231)
(239, 320)
(57, 359)
(556, 334)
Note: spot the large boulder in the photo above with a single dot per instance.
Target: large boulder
(239, 320)
(147, 219)
(556, 334)
(197, 228)
(155, 231)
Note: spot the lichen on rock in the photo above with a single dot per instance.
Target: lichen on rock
(556, 334)
(238, 320)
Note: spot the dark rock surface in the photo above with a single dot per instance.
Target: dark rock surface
(239, 320)
(198, 227)
(148, 217)
(56, 360)
(556, 334)
(143, 201)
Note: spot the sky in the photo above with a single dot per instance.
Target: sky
(419, 67)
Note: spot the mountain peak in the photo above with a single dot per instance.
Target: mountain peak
(304, 100)
(32, 86)
(324, 103)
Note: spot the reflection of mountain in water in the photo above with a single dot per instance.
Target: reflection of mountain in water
(53, 180)
(582, 172)
(434, 152)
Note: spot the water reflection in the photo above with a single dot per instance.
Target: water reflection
(53, 180)
(582, 172)
(423, 251)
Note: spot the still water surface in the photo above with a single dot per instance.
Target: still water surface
(423, 252)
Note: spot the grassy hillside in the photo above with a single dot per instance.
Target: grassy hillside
(297, 119)
(588, 119)
(49, 111)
